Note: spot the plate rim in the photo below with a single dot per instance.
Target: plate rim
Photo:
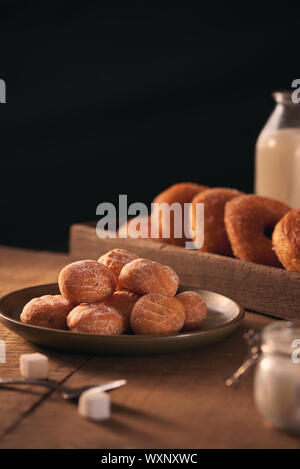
(136, 337)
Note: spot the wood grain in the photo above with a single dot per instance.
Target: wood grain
(20, 268)
(263, 289)
(171, 401)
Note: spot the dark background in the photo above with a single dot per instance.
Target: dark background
(104, 100)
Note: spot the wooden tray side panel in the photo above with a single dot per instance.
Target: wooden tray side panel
(263, 289)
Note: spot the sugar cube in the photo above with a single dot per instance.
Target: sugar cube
(94, 404)
(34, 365)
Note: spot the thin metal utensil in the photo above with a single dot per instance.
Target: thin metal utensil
(66, 392)
(252, 337)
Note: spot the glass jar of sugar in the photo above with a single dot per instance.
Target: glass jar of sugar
(277, 375)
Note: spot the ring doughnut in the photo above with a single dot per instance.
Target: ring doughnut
(286, 240)
(156, 314)
(86, 282)
(215, 236)
(248, 221)
(137, 227)
(181, 193)
(47, 311)
(95, 318)
(144, 276)
(195, 309)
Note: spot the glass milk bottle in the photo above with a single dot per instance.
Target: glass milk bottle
(277, 161)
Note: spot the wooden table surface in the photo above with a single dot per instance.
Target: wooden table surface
(171, 401)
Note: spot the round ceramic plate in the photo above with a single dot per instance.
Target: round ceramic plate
(224, 315)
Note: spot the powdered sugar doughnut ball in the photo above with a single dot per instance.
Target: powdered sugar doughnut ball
(116, 259)
(144, 276)
(95, 318)
(123, 301)
(47, 311)
(86, 282)
(195, 309)
(156, 314)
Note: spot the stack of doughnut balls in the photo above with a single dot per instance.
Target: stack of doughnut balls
(250, 227)
(116, 294)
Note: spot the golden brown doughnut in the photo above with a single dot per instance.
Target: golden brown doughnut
(286, 240)
(95, 318)
(143, 228)
(195, 309)
(156, 314)
(86, 282)
(123, 301)
(215, 236)
(248, 220)
(47, 311)
(144, 276)
(116, 259)
(182, 193)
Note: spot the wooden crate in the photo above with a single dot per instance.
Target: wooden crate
(267, 290)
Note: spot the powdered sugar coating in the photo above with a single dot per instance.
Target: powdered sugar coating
(181, 193)
(47, 311)
(95, 318)
(247, 218)
(86, 281)
(156, 314)
(116, 259)
(144, 276)
(123, 301)
(195, 309)
(286, 240)
(215, 236)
